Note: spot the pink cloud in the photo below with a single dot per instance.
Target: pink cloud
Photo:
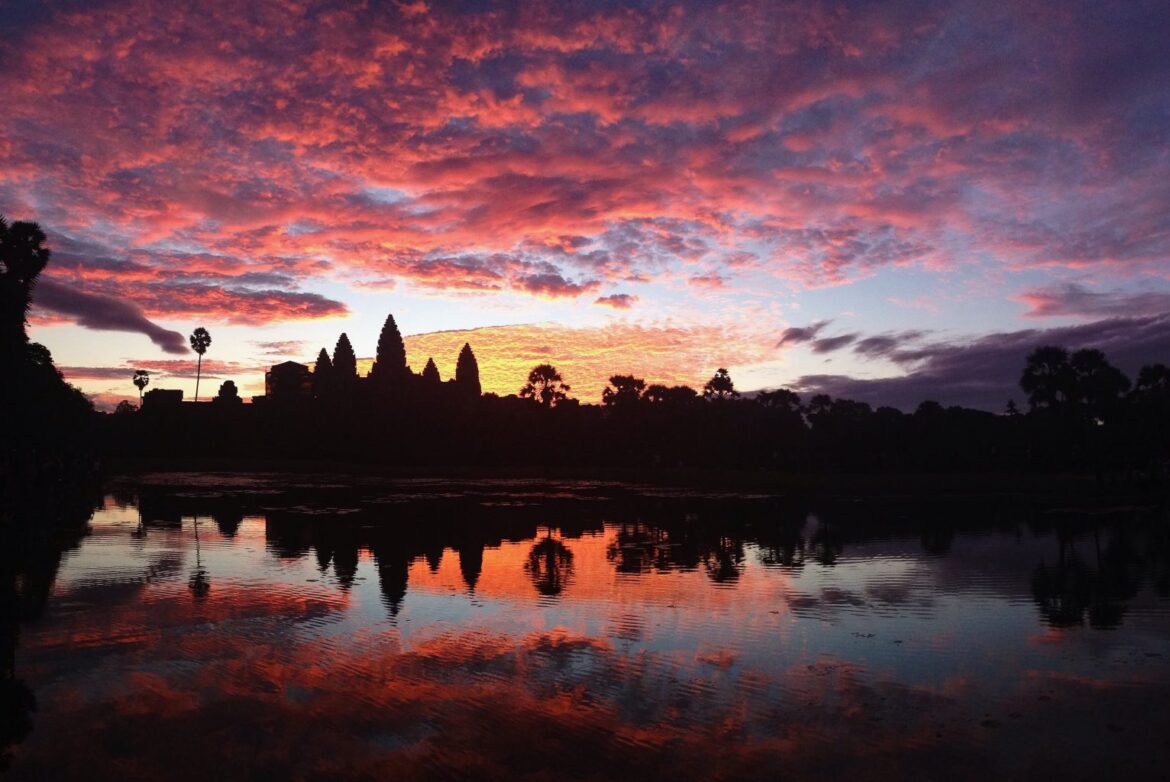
(619, 301)
(496, 152)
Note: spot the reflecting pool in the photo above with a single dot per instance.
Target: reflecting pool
(280, 627)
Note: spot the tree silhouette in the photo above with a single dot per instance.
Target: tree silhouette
(929, 410)
(23, 257)
(1153, 379)
(1048, 379)
(389, 370)
(45, 434)
(344, 364)
(780, 399)
(322, 374)
(141, 380)
(430, 373)
(655, 393)
(674, 397)
(200, 341)
(467, 372)
(1099, 385)
(545, 386)
(720, 386)
(623, 391)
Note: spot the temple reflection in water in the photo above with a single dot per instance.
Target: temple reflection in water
(300, 628)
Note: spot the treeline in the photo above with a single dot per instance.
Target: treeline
(1083, 415)
(45, 423)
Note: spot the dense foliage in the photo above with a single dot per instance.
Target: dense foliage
(46, 426)
(1084, 415)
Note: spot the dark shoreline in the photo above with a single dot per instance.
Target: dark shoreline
(1083, 487)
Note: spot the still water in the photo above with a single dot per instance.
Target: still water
(276, 627)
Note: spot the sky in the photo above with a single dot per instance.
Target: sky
(886, 201)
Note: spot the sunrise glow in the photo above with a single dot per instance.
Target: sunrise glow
(923, 191)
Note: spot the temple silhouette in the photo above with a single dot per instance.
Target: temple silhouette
(390, 377)
(1084, 416)
(335, 377)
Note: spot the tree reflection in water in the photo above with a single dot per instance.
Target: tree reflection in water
(200, 582)
(35, 531)
(709, 578)
(550, 566)
(1072, 590)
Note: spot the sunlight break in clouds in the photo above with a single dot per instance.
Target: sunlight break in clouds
(586, 357)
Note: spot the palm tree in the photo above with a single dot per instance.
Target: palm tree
(545, 386)
(22, 258)
(1099, 385)
(200, 341)
(1048, 379)
(142, 380)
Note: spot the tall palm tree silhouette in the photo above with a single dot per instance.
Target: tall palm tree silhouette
(199, 584)
(142, 380)
(200, 340)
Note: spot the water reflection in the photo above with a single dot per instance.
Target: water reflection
(291, 629)
(1070, 590)
(34, 534)
(550, 565)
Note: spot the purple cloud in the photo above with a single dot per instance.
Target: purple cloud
(796, 335)
(1072, 299)
(883, 345)
(619, 301)
(554, 285)
(984, 372)
(104, 313)
(829, 344)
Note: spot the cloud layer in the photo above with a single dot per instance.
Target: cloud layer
(280, 165)
(215, 161)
